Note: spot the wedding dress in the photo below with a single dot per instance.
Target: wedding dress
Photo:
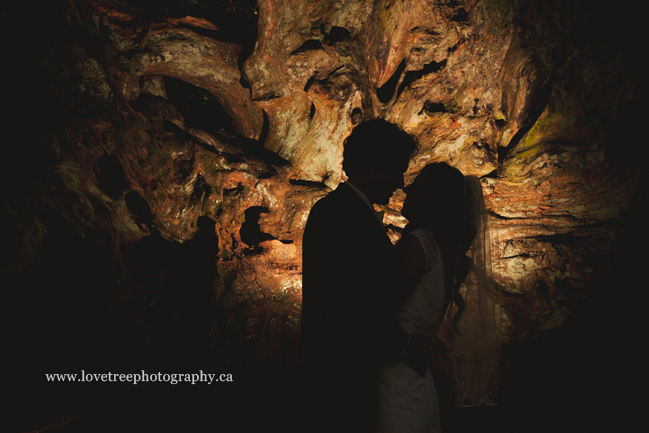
(407, 401)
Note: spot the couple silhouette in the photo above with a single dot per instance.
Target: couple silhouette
(370, 309)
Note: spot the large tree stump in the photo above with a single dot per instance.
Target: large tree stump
(160, 122)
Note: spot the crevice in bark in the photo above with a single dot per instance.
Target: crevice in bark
(412, 76)
(212, 34)
(310, 45)
(336, 34)
(250, 231)
(268, 174)
(110, 176)
(562, 239)
(184, 166)
(178, 132)
(139, 208)
(537, 107)
(244, 83)
(100, 209)
(309, 183)
(201, 192)
(542, 290)
(522, 255)
(491, 175)
(309, 83)
(144, 101)
(497, 216)
(460, 16)
(198, 107)
(386, 91)
(264, 128)
(255, 149)
(232, 192)
(205, 140)
(200, 110)
(431, 107)
(269, 96)
(357, 116)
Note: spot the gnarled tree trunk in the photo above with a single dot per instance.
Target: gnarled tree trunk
(157, 116)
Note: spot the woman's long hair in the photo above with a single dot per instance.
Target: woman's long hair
(456, 214)
(448, 218)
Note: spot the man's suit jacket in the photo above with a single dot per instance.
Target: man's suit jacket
(347, 262)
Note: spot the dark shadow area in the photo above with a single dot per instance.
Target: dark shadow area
(145, 102)
(72, 310)
(201, 193)
(201, 110)
(250, 231)
(460, 16)
(173, 287)
(198, 107)
(181, 135)
(538, 103)
(64, 314)
(309, 183)
(357, 116)
(310, 45)
(110, 176)
(590, 374)
(431, 107)
(412, 76)
(386, 91)
(70, 313)
(236, 21)
(336, 34)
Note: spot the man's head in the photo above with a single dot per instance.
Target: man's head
(375, 156)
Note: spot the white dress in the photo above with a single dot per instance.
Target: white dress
(407, 401)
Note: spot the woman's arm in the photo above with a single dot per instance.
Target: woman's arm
(410, 267)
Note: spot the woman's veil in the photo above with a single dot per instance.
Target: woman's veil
(476, 346)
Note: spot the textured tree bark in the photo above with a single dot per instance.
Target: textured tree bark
(527, 95)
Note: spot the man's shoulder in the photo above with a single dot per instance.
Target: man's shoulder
(342, 196)
(341, 207)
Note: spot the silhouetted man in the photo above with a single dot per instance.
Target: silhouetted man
(347, 262)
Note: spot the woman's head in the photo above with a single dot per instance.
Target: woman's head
(436, 197)
(436, 201)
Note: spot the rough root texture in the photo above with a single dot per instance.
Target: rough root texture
(168, 124)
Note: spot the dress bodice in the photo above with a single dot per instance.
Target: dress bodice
(423, 311)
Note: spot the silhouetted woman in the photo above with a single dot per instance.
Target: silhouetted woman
(447, 220)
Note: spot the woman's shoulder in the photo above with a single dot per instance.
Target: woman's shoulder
(424, 236)
(427, 245)
(412, 254)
